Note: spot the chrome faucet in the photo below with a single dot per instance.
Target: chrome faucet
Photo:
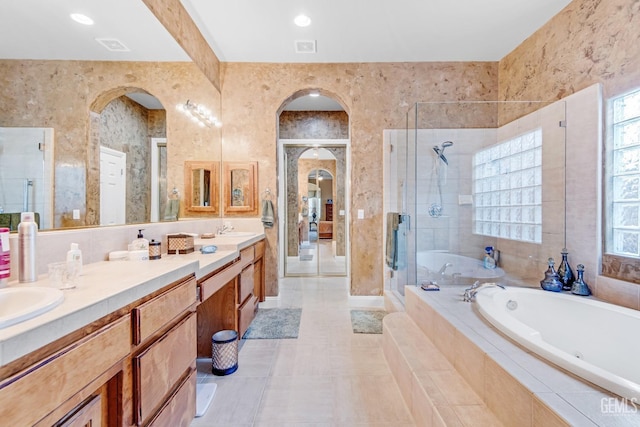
(471, 292)
(444, 268)
(223, 228)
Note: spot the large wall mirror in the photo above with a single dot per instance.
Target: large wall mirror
(101, 111)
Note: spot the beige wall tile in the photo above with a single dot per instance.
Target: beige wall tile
(545, 417)
(500, 387)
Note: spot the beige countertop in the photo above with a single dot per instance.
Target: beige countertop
(107, 286)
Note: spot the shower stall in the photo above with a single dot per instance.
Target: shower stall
(466, 177)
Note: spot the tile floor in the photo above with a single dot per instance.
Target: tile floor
(329, 376)
(318, 252)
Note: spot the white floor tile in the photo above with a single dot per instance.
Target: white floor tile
(329, 376)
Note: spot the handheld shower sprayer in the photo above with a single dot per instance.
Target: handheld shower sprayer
(439, 150)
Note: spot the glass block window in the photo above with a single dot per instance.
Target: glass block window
(623, 176)
(507, 183)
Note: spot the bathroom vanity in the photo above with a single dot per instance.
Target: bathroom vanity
(121, 349)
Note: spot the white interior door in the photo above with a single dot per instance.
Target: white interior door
(113, 186)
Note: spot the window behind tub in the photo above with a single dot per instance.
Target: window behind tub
(622, 188)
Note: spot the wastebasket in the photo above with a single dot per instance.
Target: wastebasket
(224, 352)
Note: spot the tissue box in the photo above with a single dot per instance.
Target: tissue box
(179, 244)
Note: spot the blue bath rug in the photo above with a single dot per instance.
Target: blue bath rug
(367, 321)
(274, 323)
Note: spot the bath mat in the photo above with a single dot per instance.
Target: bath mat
(367, 321)
(274, 323)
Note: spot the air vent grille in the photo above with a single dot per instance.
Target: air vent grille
(113, 45)
(305, 46)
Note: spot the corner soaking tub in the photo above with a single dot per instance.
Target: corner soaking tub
(463, 270)
(594, 340)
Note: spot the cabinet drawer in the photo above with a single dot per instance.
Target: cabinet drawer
(157, 369)
(246, 255)
(245, 284)
(43, 386)
(246, 313)
(154, 314)
(181, 407)
(259, 249)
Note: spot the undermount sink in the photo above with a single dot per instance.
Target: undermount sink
(22, 303)
(237, 234)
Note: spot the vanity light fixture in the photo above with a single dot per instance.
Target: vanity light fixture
(199, 114)
(302, 20)
(314, 94)
(81, 19)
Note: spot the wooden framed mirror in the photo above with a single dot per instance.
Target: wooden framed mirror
(240, 188)
(201, 186)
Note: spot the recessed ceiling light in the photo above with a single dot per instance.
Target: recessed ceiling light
(81, 19)
(302, 20)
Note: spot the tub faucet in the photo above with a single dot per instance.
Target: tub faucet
(443, 268)
(471, 292)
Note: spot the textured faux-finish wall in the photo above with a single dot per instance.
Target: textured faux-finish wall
(376, 96)
(62, 94)
(590, 41)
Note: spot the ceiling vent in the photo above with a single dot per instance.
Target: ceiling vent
(113, 45)
(305, 46)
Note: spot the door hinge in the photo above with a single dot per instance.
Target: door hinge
(562, 123)
(41, 146)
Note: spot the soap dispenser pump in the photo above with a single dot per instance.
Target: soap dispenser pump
(139, 244)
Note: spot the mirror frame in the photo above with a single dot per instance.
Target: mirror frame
(247, 210)
(189, 167)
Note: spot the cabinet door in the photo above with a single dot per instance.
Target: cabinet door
(245, 284)
(88, 415)
(181, 407)
(158, 369)
(258, 279)
(246, 313)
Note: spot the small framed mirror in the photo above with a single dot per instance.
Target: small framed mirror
(240, 183)
(201, 186)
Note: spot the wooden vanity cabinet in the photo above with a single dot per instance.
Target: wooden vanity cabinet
(135, 366)
(229, 296)
(164, 359)
(53, 389)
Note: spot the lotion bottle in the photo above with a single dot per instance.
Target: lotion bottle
(139, 244)
(75, 255)
(27, 233)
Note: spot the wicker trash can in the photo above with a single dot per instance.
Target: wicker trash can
(224, 352)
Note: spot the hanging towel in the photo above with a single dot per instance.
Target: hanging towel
(267, 213)
(393, 220)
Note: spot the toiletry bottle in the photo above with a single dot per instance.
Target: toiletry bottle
(489, 262)
(75, 255)
(5, 260)
(139, 244)
(27, 233)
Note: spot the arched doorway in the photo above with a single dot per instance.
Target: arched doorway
(128, 135)
(312, 163)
